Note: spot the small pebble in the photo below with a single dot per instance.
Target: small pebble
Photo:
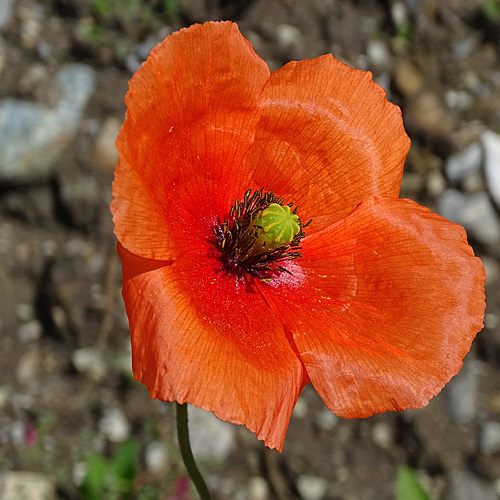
(489, 440)
(24, 311)
(382, 434)
(301, 409)
(156, 457)
(211, 438)
(288, 36)
(491, 145)
(28, 366)
(89, 361)
(30, 331)
(258, 488)
(25, 486)
(4, 396)
(378, 53)
(105, 154)
(5, 13)
(114, 425)
(326, 420)
(311, 487)
(464, 485)
(474, 211)
(429, 114)
(461, 392)
(436, 183)
(407, 78)
(465, 163)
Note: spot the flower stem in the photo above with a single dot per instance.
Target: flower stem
(187, 454)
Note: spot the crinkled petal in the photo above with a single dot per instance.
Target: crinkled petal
(328, 139)
(393, 298)
(192, 112)
(210, 340)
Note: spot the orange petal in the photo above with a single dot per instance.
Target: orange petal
(393, 299)
(210, 340)
(192, 111)
(328, 139)
(138, 222)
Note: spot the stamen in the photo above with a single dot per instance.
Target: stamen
(259, 234)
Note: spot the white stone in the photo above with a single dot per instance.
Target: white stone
(465, 163)
(156, 457)
(211, 438)
(89, 361)
(474, 211)
(258, 488)
(24, 311)
(461, 392)
(301, 408)
(378, 53)
(28, 366)
(29, 331)
(32, 136)
(5, 13)
(489, 441)
(25, 486)
(114, 425)
(288, 36)
(382, 435)
(311, 487)
(491, 145)
(326, 420)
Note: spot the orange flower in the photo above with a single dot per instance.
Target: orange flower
(375, 302)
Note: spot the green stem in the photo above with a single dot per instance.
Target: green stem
(187, 454)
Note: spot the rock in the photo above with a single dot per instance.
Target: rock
(491, 145)
(114, 425)
(33, 137)
(489, 440)
(465, 486)
(464, 164)
(258, 488)
(211, 438)
(25, 486)
(105, 154)
(89, 361)
(461, 392)
(474, 211)
(311, 487)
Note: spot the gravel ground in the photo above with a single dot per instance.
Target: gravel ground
(66, 390)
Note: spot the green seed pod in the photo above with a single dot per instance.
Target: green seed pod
(279, 227)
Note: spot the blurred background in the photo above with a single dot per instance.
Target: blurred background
(73, 423)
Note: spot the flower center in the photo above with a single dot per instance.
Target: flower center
(259, 236)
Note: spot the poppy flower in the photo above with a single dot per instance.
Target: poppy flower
(264, 246)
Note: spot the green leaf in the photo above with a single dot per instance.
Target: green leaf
(408, 486)
(97, 470)
(124, 462)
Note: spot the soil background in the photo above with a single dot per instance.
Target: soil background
(66, 390)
